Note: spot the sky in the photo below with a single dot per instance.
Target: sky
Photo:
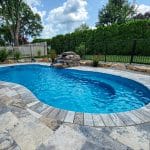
(63, 16)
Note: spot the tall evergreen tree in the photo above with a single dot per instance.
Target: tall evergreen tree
(116, 11)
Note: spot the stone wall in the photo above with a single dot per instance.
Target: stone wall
(121, 66)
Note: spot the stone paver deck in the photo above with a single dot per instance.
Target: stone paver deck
(27, 123)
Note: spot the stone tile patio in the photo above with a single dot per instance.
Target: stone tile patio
(26, 123)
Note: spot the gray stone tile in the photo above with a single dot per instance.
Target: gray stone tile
(18, 103)
(126, 119)
(61, 115)
(88, 119)
(78, 119)
(117, 120)
(91, 146)
(3, 108)
(100, 139)
(141, 116)
(134, 118)
(47, 111)
(145, 127)
(7, 142)
(53, 114)
(39, 107)
(145, 112)
(46, 147)
(28, 99)
(98, 121)
(51, 123)
(107, 120)
(69, 117)
(19, 112)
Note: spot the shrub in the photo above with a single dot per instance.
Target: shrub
(3, 55)
(17, 55)
(52, 55)
(80, 50)
(95, 60)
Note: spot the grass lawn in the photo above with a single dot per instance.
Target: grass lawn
(121, 58)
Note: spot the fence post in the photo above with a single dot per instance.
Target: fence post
(133, 51)
(106, 52)
(44, 49)
(30, 51)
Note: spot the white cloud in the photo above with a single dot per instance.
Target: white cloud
(65, 18)
(33, 5)
(33, 2)
(41, 13)
(143, 8)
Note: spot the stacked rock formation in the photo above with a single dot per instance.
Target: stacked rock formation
(67, 59)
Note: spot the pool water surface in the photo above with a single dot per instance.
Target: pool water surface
(80, 91)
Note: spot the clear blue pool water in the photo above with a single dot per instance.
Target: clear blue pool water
(79, 91)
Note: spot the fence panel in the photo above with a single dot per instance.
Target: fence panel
(29, 50)
(129, 51)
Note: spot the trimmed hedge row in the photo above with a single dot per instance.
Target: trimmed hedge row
(113, 40)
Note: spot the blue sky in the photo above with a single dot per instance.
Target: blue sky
(63, 16)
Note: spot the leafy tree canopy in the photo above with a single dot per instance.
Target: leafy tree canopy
(116, 11)
(82, 27)
(21, 21)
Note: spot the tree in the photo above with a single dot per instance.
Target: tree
(82, 27)
(18, 17)
(5, 36)
(142, 16)
(116, 11)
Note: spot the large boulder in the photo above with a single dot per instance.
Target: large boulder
(67, 59)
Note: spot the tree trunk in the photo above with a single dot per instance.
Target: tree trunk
(16, 39)
(16, 34)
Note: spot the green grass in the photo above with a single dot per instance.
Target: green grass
(121, 58)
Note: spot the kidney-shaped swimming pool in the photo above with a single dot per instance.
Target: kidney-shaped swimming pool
(80, 91)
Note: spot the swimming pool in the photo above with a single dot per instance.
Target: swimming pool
(80, 91)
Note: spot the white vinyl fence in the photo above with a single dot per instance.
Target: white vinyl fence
(29, 50)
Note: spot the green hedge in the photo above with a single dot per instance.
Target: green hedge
(113, 40)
